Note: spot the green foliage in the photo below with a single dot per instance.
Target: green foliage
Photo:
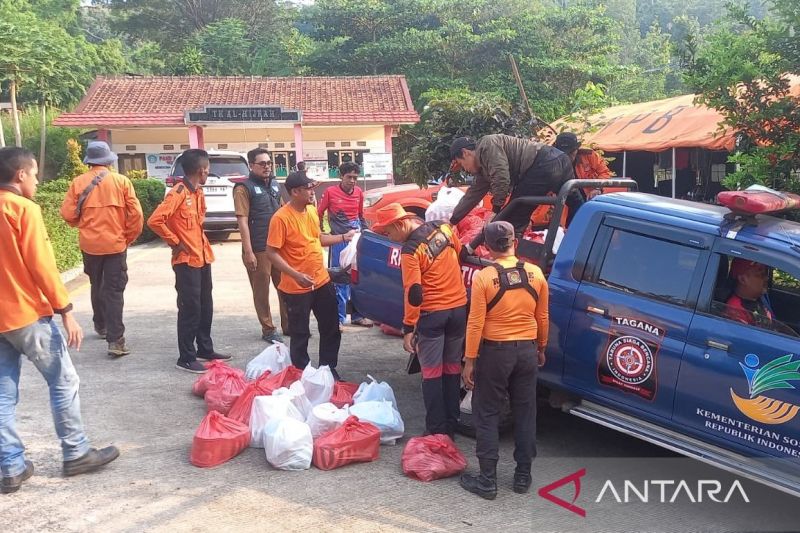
(741, 71)
(137, 174)
(73, 164)
(54, 186)
(225, 47)
(63, 237)
(56, 139)
(425, 148)
(150, 193)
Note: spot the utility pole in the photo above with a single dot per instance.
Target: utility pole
(524, 96)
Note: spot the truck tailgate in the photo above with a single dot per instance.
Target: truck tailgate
(377, 289)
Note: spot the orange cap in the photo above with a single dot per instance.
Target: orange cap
(389, 214)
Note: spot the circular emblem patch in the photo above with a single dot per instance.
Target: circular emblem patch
(630, 360)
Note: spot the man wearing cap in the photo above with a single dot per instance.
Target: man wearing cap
(510, 167)
(748, 304)
(434, 301)
(294, 246)
(255, 201)
(103, 206)
(506, 338)
(587, 163)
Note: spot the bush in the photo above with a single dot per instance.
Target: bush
(73, 165)
(59, 185)
(150, 193)
(63, 238)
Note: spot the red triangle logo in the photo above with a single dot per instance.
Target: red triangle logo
(574, 478)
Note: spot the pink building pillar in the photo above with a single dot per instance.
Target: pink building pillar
(196, 139)
(104, 135)
(387, 147)
(298, 142)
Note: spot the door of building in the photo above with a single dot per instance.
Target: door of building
(281, 166)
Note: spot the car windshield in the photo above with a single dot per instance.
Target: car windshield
(220, 166)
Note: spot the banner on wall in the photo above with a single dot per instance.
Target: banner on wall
(377, 164)
(159, 165)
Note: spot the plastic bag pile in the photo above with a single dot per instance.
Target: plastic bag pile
(299, 418)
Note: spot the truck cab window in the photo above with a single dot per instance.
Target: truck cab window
(649, 266)
(758, 295)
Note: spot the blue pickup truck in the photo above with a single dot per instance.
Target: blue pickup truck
(640, 337)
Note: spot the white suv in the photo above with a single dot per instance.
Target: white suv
(227, 169)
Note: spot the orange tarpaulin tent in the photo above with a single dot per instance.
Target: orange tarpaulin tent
(656, 126)
(659, 125)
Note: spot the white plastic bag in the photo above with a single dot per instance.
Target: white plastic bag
(268, 408)
(446, 201)
(274, 358)
(374, 391)
(326, 417)
(466, 403)
(348, 255)
(297, 395)
(288, 444)
(384, 416)
(318, 383)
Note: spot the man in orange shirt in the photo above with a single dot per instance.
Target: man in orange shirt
(294, 246)
(435, 304)
(179, 221)
(31, 292)
(508, 327)
(587, 163)
(103, 206)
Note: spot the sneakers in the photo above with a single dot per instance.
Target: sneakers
(214, 356)
(272, 337)
(195, 367)
(13, 483)
(118, 348)
(363, 322)
(93, 460)
(101, 332)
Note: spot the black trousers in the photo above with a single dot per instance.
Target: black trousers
(108, 276)
(506, 371)
(322, 302)
(195, 311)
(551, 169)
(440, 346)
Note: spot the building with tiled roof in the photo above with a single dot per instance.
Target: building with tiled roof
(313, 119)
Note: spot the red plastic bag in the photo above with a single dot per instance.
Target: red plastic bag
(389, 330)
(352, 442)
(216, 370)
(471, 225)
(432, 457)
(218, 439)
(343, 393)
(221, 395)
(284, 378)
(240, 410)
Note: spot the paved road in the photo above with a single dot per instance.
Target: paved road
(144, 405)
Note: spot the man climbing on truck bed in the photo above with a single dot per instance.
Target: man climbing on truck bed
(510, 167)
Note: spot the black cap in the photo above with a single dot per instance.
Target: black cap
(298, 179)
(459, 144)
(498, 235)
(567, 142)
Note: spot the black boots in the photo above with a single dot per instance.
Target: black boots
(522, 479)
(483, 484)
(93, 460)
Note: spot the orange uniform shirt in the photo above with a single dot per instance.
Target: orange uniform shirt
(296, 237)
(439, 278)
(517, 316)
(111, 217)
(590, 165)
(30, 287)
(179, 218)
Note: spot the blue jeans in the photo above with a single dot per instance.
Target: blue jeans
(342, 290)
(43, 344)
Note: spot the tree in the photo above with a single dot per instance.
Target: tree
(424, 150)
(743, 71)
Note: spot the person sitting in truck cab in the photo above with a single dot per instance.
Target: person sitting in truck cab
(748, 303)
